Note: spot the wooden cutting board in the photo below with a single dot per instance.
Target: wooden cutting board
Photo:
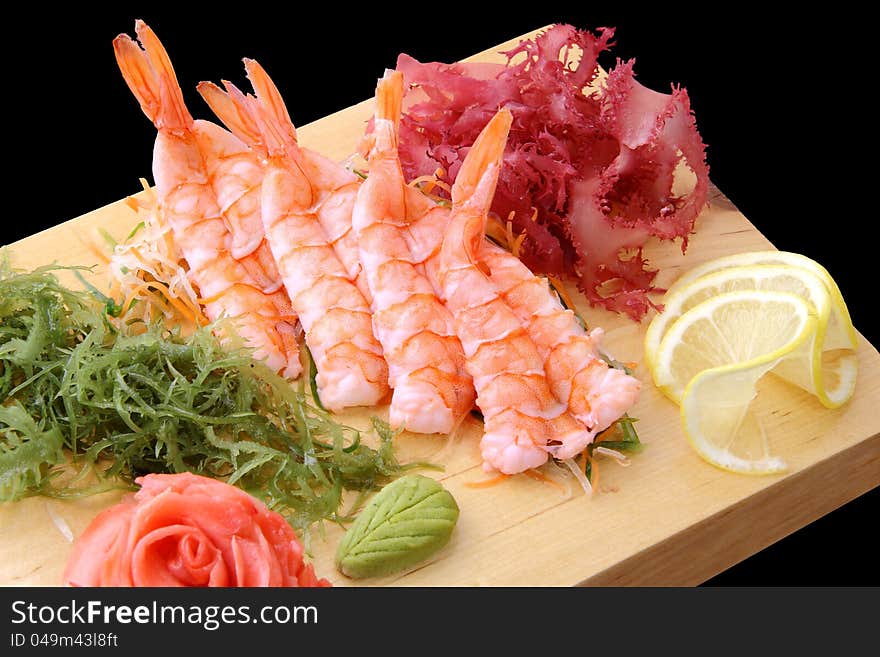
(668, 519)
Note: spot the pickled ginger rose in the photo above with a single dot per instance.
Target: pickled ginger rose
(187, 530)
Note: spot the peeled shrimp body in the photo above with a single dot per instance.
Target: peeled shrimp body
(432, 389)
(595, 393)
(334, 189)
(523, 420)
(236, 175)
(424, 234)
(189, 203)
(337, 189)
(333, 312)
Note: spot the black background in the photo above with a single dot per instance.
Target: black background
(780, 101)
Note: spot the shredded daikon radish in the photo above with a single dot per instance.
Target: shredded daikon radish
(59, 522)
(579, 475)
(613, 453)
(149, 256)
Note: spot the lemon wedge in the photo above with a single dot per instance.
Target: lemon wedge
(829, 372)
(732, 329)
(713, 356)
(839, 334)
(730, 321)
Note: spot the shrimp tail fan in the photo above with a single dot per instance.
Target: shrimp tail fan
(475, 184)
(148, 72)
(232, 108)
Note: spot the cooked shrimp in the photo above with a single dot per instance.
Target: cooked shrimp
(595, 393)
(334, 188)
(339, 191)
(236, 175)
(189, 204)
(524, 421)
(424, 233)
(333, 312)
(432, 390)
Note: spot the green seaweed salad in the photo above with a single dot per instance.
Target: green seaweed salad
(117, 401)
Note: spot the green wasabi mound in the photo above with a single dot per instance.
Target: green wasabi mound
(404, 524)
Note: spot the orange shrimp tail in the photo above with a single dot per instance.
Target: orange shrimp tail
(262, 121)
(389, 97)
(475, 183)
(138, 74)
(271, 100)
(389, 101)
(149, 74)
(476, 180)
(231, 107)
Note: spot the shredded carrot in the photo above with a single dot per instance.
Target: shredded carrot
(133, 294)
(606, 435)
(96, 251)
(169, 242)
(189, 313)
(186, 308)
(137, 205)
(115, 288)
(611, 433)
(155, 300)
(486, 483)
(540, 476)
(514, 242)
(631, 364)
(560, 290)
(427, 183)
(137, 254)
(497, 232)
(206, 300)
(444, 186)
(428, 180)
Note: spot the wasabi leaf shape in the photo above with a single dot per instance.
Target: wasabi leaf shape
(404, 524)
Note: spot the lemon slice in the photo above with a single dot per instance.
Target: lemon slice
(830, 374)
(714, 355)
(731, 329)
(840, 333)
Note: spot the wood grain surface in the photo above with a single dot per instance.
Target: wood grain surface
(668, 519)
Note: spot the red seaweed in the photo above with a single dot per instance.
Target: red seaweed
(593, 168)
